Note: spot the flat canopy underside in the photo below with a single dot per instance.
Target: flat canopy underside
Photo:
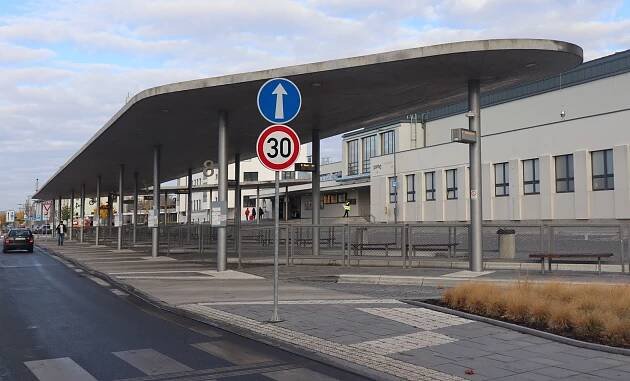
(337, 96)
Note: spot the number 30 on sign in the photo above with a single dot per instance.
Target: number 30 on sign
(278, 147)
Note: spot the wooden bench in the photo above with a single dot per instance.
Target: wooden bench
(571, 256)
(433, 247)
(360, 247)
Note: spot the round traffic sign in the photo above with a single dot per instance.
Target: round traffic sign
(279, 100)
(278, 147)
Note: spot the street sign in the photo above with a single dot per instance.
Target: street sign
(279, 100)
(305, 167)
(278, 147)
(10, 218)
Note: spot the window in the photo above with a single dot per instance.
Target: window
(411, 188)
(369, 151)
(603, 171)
(205, 197)
(501, 179)
(353, 157)
(249, 201)
(451, 184)
(531, 176)
(393, 190)
(334, 198)
(388, 142)
(250, 176)
(288, 175)
(429, 185)
(564, 174)
(330, 176)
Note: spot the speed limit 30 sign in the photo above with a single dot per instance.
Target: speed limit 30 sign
(278, 147)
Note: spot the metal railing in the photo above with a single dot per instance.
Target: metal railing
(404, 244)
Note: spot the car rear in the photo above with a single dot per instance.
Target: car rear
(18, 239)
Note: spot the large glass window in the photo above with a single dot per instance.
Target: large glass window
(429, 186)
(501, 179)
(393, 190)
(250, 176)
(388, 142)
(411, 188)
(603, 170)
(531, 176)
(451, 184)
(288, 175)
(564, 174)
(353, 157)
(369, 151)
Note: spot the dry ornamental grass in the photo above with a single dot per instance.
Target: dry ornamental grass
(595, 313)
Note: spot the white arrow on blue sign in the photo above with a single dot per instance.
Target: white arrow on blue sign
(279, 100)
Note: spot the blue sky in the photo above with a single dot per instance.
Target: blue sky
(68, 65)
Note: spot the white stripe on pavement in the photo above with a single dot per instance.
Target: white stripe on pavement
(298, 374)
(151, 362)
(61, 369)
(231, 352)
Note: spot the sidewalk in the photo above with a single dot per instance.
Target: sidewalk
(359, 326)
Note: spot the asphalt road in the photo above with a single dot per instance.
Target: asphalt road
(59, 324)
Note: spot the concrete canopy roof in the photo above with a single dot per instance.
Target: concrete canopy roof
(337, 96)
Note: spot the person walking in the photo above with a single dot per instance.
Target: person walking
(61, 232)
(247, 214)
(346, 209)
(253, 214)
(260, 213)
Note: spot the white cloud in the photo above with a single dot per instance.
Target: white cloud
(68, 65)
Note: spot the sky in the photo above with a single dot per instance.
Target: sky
(67, 66)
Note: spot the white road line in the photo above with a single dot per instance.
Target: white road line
(297, 374)
(151, 362)
(98, 281)
(156, 272)
(61, 369)
(119, 292)
(231, 352)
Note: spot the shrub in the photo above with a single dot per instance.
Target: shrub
(598, 313)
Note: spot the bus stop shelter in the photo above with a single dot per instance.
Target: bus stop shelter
(166, 132)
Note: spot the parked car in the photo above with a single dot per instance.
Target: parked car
(18, 239)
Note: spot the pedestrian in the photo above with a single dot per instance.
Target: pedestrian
(61, 231)
(247, 214)
(346, 209)
(260, 213)
(253, 214)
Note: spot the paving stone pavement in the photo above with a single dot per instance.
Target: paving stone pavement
(367, 326)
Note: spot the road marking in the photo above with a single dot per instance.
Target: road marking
(217, 373)
(404, 343)
(151, 362)
(231, 352)
(298, 374)
(230, 274)
(422, 318)
(61, 369)
(467, 274)
(119, 292)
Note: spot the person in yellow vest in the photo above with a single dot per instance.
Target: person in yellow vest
(346, 209)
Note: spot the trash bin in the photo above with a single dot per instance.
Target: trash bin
(507, 243)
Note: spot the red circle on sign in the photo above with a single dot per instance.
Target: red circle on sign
(277, 129)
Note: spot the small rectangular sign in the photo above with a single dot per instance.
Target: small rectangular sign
(305, 167)
(152, 220)
(218, 214)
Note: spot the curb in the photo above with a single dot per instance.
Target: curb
(321, 358)
(522, 329)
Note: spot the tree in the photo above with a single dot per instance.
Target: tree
(19, 216)
(3, 218)
(66, 214)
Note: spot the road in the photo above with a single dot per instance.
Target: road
(58, 324)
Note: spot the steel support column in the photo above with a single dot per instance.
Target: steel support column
(60, 207)
(97, 215)
(121, 206)
(135, 208)
(474, 124)
(110, 210)
(155, 238)
(237, 206)
(189, 201)
(82, 213)
(257, 204)
(316, 191)
(71, 215)
(223, 192)
(286, 203)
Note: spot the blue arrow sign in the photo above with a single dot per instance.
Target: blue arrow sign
(279, 100)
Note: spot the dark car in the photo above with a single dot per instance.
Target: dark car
(18, 239)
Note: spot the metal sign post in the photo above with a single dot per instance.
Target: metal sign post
(278, 148)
